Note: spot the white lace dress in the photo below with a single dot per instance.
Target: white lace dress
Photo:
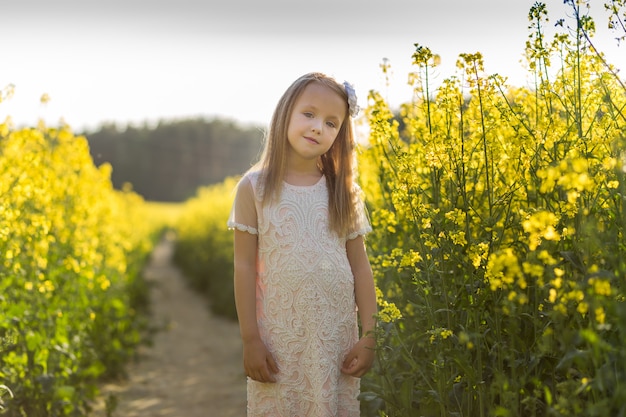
(306, 308)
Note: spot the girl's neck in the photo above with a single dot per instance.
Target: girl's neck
(307, 174)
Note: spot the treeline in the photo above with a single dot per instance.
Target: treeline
(169, 161)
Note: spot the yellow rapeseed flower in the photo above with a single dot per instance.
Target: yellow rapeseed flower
(576, 295)
(577, 177)
(104, 282)
(600, 286)
(570, 210)
(552, 296)
(387, 312)
(502, 269)
(533, 270)
(410, 258)
(478, 253)
(600, 315)
(457, 216)
(440, 332)
(521, 282)
(561, 308)
(572, 196)
(609, 163)
(540, 225)
(550, 176)
(546, 257)
(458, 238)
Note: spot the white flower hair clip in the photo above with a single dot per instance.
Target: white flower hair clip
(353, 107)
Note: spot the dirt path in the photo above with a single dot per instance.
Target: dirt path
(194, 367)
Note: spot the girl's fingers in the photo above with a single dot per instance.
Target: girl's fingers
(272, 364)
(349, 365)
(264, 374)
(349, 361)
(268, 376)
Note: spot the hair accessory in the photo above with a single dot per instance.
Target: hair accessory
(353, 107)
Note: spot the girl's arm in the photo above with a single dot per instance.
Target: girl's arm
(361, 357)
(258, 362)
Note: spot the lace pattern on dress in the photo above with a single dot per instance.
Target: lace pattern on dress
(361, 232)
(243, 228)
(306, 307)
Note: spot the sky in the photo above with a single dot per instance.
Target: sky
(141, 61)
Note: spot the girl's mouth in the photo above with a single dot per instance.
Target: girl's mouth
(311, 140)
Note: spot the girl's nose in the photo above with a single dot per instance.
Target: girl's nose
(316, 126)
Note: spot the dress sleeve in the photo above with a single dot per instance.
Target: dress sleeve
(243, 215)
(362, 225)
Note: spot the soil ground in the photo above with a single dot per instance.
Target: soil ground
(194, 366)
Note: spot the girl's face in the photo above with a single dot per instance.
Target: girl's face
(315, 122)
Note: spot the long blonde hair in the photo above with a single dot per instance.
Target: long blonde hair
(337, 164)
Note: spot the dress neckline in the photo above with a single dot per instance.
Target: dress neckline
(304, 186)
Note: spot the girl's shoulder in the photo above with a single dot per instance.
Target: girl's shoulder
(252, 175)
(251, 179)
(357, 191)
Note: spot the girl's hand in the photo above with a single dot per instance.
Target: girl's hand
(258, 361)
(360, 358)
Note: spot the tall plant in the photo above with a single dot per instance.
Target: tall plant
(70, 252)
(499, 233)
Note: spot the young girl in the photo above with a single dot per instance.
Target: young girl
(301, 269)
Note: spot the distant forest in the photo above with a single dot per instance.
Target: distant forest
(169, 161)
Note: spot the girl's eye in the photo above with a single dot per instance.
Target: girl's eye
(308, 114)
(331, 124)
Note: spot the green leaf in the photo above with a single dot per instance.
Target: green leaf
(65, 392)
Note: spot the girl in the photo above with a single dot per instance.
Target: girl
(301, 269)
